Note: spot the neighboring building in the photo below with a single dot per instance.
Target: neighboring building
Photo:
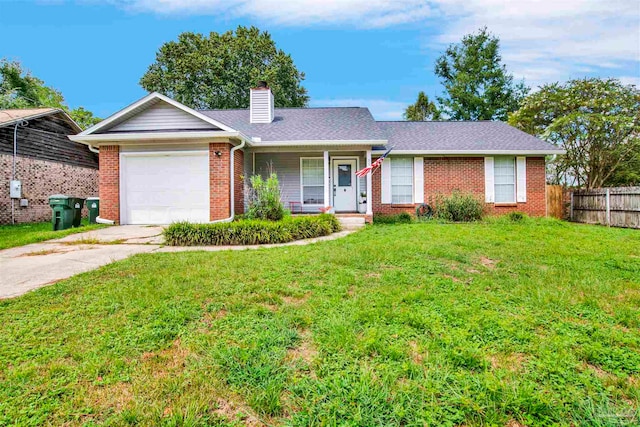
(161, 161)
(46, 162)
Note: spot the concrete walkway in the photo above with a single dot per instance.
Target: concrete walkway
(30, 267)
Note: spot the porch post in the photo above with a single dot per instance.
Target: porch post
(326, 180)
(369, 185)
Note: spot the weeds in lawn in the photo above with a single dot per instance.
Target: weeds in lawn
(528, 323)
(26, 233)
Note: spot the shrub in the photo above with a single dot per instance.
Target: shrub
(265, 201)
(401, 218)
(459, 207)
(516, 216)
(251, 231)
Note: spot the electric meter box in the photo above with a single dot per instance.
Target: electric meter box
(15, 189)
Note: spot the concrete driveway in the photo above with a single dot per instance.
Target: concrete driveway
(29, 267)
(32, 266)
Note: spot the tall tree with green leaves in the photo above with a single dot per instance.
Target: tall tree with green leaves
(597, 122)
(217, 71)
(20, 89)
(476, 82)
(422, 110)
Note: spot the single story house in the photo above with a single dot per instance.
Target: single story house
(161, 161)
(38, 160)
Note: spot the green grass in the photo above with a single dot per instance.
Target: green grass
(496, 323)
(34, 232)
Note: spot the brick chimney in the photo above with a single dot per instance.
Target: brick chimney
(261, 104)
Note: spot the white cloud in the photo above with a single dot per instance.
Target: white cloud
(371, 13)
(548, 40)
(630, 80)
(542, 40)
(381, 109)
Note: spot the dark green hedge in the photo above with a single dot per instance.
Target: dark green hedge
(251, 232)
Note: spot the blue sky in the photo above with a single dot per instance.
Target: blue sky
(374, 53)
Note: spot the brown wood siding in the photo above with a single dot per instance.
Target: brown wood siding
(45, 138)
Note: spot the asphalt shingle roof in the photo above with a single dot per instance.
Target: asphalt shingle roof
(357, 124)
(452, 136)
(10, 116)
(305, 124)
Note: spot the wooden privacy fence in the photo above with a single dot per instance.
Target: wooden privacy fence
(616, 206)
(555, 201)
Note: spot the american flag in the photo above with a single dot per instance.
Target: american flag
(364, 171)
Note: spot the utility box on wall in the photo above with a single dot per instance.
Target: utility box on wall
(15, 189)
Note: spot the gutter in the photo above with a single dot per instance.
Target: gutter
(232, 189)
(473, 152)
(153, 136)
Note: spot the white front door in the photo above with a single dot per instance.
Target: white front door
(345, 196)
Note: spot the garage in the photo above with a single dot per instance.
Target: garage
(164, 187)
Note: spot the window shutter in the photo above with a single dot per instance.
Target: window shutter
(418, 180)
(521, 183)
(385, 178)
(489, 191)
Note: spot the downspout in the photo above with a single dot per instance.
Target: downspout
(100, 220)
(232, 192)
(19, 123)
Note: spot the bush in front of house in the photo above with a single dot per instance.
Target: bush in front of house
(251, 231)
(265, 200)
(459, 207)
(517, 216)
(401, 218)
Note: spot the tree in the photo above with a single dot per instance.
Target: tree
(217, 71)
(477, 84)
(423, 110)
(20, 89)
(597, 122)
(84, 118)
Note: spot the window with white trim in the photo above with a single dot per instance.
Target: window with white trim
(402, 180)
(312, 180)
(504, 173)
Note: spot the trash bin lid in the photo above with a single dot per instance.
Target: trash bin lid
(93, 198)
(59, 196)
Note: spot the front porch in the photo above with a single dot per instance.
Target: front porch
(313, 181)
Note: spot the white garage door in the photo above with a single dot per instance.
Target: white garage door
(164, 188)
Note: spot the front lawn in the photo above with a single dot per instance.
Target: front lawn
(421, 324)
(34, 232)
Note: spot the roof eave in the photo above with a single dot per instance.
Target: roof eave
(149, 136)
(43, 114)
(329, 142)
(479, 152)
(149, 98)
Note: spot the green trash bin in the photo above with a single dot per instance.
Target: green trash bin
(78, 204)
(63, 211)
(93, 204)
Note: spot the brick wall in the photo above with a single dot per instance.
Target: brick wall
(386, 209)
(40, 179)
(444, 175)
(239, 182)
(110, 182)
(220, 205)
(536, 204)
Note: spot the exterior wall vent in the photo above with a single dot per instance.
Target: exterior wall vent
(261, 104)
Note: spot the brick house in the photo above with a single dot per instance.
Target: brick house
(161, 161)
(46, 162)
